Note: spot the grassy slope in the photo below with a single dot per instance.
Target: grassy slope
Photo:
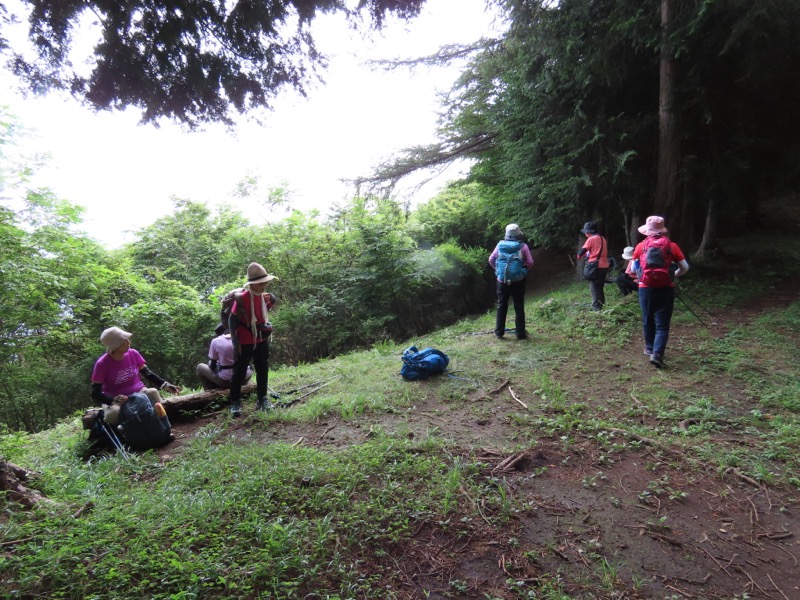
(276, 506)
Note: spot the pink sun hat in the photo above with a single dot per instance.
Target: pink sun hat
(653, 226)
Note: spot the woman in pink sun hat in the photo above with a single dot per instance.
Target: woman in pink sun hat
(655, 259)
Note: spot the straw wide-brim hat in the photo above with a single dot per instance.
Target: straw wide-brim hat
(258, 274)
(113, 337)
(627, 253)
(653, 226)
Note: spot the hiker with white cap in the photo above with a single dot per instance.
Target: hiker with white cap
(511, 259)
(251, 333)
(628, 280)
(655, 257)
(118, 373)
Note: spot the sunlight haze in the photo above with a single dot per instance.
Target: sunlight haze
(125, 174)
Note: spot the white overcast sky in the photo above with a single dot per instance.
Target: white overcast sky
(124, 173)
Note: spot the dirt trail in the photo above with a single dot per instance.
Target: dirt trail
(647, 522)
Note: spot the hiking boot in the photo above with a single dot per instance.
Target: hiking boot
(657, 360)
(522, 336)
(648, 351)
(236, 409)
(263, 405)
(498, 336)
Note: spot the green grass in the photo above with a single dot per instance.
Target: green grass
(234, 517)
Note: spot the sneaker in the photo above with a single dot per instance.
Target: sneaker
(236, 409)
(657, 360)
(263, 405)
(648, 351)
(498, 336)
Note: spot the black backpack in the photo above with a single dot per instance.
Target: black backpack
(140, 427)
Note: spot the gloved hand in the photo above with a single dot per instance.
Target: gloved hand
(171, 388)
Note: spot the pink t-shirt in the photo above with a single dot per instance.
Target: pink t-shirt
(119, 377)
(221, 350)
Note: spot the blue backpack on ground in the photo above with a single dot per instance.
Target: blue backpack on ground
(509, 266)
(421, 364)
(139, 425)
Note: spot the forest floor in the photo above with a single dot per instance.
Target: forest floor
(656, 520)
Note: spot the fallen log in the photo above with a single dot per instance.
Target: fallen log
(177, 404)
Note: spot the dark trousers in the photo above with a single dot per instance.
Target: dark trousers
(626, 284)
(515, 291)
(597, 287)
(656, 305)
(259, 354)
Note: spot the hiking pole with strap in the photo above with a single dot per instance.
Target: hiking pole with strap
(111, 434)
(708, 312)
(319, 384)
(308, 385)
(679, 297)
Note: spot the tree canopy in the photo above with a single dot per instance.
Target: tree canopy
(192, 61)
(562, 116)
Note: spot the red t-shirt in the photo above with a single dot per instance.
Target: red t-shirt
(598, 249)
(242, 307)
(674, 250)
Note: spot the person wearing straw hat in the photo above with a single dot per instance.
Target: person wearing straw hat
(251, 333)
(654, 257)
(628, 280)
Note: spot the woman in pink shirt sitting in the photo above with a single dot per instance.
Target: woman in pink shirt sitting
(118, 373)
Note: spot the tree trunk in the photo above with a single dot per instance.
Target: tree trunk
(710, 229)
(668, 136)
(176, 404)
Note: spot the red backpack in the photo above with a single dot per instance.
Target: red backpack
(655, 260)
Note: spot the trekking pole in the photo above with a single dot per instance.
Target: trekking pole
(111, 435)
(679, 297)
(710, 314)
(296, 400)
(308, 385)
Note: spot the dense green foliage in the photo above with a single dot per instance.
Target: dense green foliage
(364, 275)
(562, 116)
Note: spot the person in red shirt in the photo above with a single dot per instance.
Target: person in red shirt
(657, 298)
(251, 333)
(596, 250)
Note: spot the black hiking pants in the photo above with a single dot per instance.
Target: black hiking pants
(516, 292)
(259, 354)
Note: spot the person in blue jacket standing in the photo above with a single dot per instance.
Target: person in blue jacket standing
(511, 260)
